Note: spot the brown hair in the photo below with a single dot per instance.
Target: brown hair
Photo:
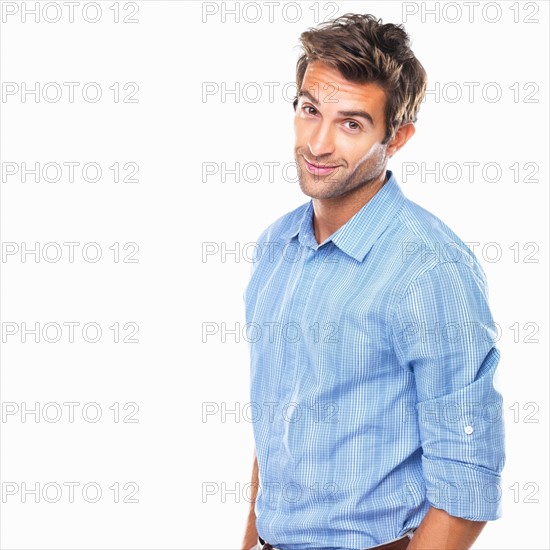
(364, 50)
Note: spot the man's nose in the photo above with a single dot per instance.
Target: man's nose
(321, 141)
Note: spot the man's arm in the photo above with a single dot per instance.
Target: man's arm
(250, 537)
(458, 408)
(440, 531)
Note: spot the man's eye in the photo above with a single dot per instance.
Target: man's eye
(354, 124)
(305, 107)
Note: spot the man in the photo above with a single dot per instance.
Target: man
(374, 352)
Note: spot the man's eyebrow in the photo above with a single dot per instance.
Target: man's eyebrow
(355, 113)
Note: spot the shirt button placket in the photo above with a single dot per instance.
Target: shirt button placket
(298, 301)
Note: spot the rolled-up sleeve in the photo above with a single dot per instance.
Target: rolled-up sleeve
(444, 334)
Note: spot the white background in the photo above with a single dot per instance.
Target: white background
(186, 465)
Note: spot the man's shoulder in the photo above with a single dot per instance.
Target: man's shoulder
(284, 226)
(427, 242)
(423, 227)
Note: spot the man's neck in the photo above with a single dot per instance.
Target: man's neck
(330, 214)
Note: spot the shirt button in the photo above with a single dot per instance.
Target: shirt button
(469, 430)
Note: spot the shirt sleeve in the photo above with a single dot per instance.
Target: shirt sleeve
(444, 334)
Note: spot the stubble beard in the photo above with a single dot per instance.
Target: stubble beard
(332, 185)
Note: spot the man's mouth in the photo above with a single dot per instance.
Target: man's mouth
(320, 169)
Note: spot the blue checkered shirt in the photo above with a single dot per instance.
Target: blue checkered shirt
(372, 363)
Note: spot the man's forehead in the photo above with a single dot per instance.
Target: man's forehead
(328, 85)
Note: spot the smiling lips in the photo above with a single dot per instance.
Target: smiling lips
(319, 170)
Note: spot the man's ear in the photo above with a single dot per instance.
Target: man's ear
(295, 102)
(403, 134)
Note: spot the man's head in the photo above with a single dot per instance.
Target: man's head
(362, 50)
(359, 91)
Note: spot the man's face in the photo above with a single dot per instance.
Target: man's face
(340, 124)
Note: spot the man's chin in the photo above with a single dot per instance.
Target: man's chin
(314, 192)
(320, 195)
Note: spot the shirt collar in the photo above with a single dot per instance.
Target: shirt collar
(357, 236)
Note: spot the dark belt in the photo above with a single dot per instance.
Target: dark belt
(399, 544)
